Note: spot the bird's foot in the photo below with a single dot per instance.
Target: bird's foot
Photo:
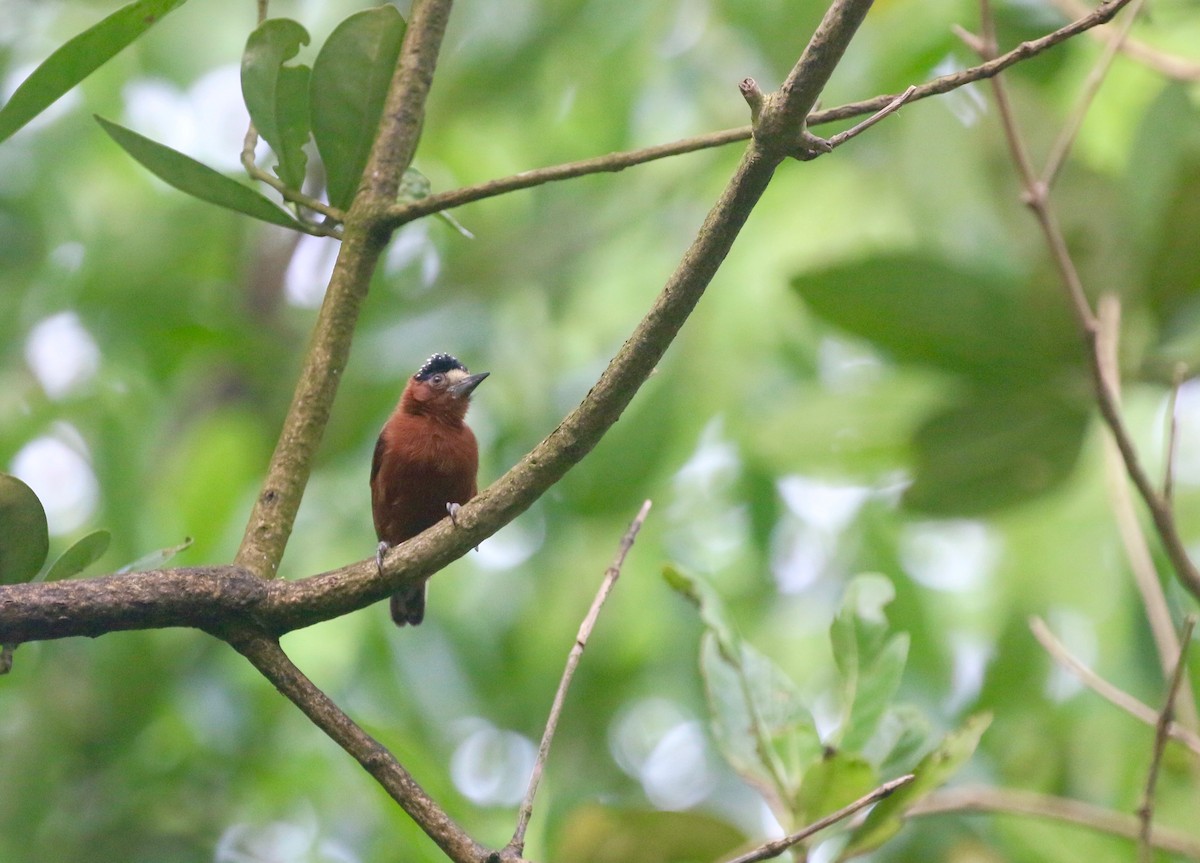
(453, 509)
(379, 553)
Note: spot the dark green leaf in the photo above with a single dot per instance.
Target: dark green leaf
(885, 819)
(926, 310)
(77, 59)
(24, 537)
(195, 178)
(350, 80)
(994, 448)
(277, 95)
(80, 556)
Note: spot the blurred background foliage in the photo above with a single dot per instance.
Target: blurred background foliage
(882, 378)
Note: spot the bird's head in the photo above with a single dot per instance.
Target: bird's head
(442, 386)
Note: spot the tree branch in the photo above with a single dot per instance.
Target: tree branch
(1117, 697)
(1005, 801)
(1161, 732)
(1129, 526)
(409, 211)
(778, 846)
(364, 236)
(211, 598)
(268, 657)
(1171, 65)
(517, 844)
(1036, 195)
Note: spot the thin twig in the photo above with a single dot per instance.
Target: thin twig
(890, 108)
(517, 844)
(1170, 65)
(408, 211)
(778, 846)
(334, 216)
(1091, 86)
(1036, 197)
(1146, 810)
(1008, 801)
(1172, 443)
(1129, 526)
(1115, 696)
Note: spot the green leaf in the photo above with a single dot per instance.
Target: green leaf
(24, 536)
(921, 309)
(869, 662)
(833, 782)
(759, 720)
(350, 80)
(712, 609)
(934, 769)
(82, 554)
(600, 834)
(78, 58)
(277, 95)
(155, 559)
(195, 178)
(905, 733)
(414, 186)
(994, 448)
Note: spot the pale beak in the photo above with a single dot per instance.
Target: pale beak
(467, 385)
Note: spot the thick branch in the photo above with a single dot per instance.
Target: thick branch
(268, 657)
(275, 509)
(221, 596)
(30, 612)
(783, 119)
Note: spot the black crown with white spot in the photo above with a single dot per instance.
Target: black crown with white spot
(437, 364)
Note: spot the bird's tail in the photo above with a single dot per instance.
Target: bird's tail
(408, 605)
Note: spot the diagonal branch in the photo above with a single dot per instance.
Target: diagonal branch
(274, 511)
(1117, 697)
(268, 657)
(209, 598)
(1036, 195)
(1129, 526)
(409, 211)
(1161, 728)
(1010, 801)
(517, 844)
(778, 846)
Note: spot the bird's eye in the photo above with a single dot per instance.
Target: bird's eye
(437, 380)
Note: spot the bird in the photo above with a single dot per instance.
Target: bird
(425, 465)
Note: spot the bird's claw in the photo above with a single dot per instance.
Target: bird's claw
(379, 553)
(453, 509)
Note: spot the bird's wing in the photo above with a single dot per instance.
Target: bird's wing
(378, 459)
